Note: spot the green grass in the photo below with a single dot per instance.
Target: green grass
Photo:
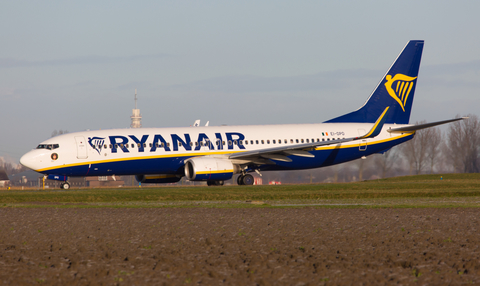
(408, 190)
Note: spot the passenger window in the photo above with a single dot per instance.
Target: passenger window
(223, 143)
(328, 139)
(263, 142)
(229, 142)
(180, 144)
(168, 144)
(246, 142)
(268, 141)
(105, 146)
(296, 140)
(291, 141)
(240, 142)
(111, 146)
(162, 144)
(323, 139)
(280, 141)
(318, 139)
(196, 143)
(251, 142)
(191, 143)
(144, 145)
(234, 142)
(302, 141)
(273, 141)
(201, 143)
(256, 141)
(308, 141)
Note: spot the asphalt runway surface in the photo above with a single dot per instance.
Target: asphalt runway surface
(239, 246)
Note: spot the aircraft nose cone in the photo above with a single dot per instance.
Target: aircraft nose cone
(27, 160)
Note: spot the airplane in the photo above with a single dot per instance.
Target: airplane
(217, 153)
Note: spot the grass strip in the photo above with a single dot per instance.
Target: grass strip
(423, 186)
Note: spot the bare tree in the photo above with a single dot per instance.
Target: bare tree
(463, 143)
(363, 167)
(434, 140)
(415, 151)
(386, 161)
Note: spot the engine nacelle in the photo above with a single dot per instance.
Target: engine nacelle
(210, 169)
(158, 179)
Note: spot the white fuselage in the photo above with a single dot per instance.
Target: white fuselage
(164, 150)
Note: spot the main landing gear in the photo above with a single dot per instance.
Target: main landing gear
(245, 179)
(65, 186)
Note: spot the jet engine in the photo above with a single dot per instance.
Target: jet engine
(158, 179)
(210, 169)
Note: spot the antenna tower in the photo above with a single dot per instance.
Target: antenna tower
(136, 117)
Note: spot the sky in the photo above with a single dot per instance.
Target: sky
(74, 65)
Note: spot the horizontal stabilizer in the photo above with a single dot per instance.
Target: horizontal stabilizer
(422, 126)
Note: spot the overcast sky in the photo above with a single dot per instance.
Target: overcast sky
(75, 65)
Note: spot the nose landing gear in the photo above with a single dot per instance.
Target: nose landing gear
(65, 186)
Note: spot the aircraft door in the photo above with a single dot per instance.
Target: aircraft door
(362, 146)
(81, 147)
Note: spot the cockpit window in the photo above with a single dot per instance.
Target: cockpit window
(48, 146)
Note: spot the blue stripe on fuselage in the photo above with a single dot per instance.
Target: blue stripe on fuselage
(174, 165)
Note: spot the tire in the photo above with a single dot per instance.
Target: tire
(248, 180)
(219, 183)
(240, 180)
(210, 183)
(65, 186)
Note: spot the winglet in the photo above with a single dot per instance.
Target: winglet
(377, 127)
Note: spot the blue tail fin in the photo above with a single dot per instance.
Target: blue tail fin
(395, 90)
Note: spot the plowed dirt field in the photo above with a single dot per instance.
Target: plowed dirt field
(254, 246)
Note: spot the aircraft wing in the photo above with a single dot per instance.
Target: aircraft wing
(422, 126)
(301, 150)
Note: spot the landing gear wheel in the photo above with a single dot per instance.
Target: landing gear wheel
(248, 180)
(240, 180)
(65, 186)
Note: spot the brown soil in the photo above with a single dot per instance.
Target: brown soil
(264, 246)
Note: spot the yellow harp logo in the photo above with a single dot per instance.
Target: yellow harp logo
(399, 87)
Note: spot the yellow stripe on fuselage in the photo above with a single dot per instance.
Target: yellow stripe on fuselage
(342, 146)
